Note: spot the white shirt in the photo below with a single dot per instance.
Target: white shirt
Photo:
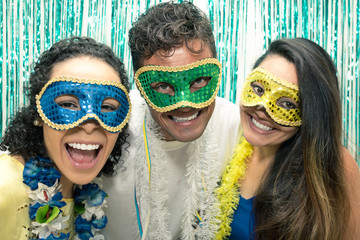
(121, 211)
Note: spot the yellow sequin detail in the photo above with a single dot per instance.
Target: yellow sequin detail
(274, 89)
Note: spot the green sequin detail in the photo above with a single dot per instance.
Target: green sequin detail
(180, 78)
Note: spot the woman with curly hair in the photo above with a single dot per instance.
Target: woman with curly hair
(290, 177)
(72, 131)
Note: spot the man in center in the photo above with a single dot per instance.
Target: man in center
(181, 134)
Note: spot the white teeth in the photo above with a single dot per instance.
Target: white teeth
(84, 146)
(184, 119)
(261, 126)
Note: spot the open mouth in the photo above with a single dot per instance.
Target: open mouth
(83, 156)
(178, 119)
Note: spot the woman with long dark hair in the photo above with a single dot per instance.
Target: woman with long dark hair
(291, 178)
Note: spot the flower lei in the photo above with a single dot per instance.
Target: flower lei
(47, 220)
(228, 192)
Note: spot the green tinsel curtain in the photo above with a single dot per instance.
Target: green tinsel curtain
(243, 30)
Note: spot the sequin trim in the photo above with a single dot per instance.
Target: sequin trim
(87, 116)
(177, 69)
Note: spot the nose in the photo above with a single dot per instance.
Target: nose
(260, 107)
(90, 125)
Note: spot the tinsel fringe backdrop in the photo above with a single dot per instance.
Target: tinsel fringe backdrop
(243, 29)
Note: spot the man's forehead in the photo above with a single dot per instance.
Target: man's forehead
(180, 56)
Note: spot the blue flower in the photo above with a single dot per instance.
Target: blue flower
(56, 201)
(100, 223)
(90, 193)
(31, 173)
(40, 170)
(83, 228)
(50, 176)
(33, 209)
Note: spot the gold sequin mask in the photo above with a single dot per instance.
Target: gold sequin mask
(280, 98)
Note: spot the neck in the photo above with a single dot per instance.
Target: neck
(66, 187)
(265, 154)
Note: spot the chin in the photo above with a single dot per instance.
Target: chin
(81, 180)
(189, 137)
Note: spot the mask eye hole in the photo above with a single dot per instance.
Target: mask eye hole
(68, 101)
(199, 83)
(163, 87)
(258, 88)
(110, 105)
(286, 103)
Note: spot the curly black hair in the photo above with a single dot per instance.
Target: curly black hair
(21, 136)
(166, 26)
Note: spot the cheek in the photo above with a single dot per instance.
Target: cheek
(290, 131)
(156, 115)
(52, 140)
(242, 114)
(112, 138)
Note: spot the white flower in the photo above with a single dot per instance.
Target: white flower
(43, 193)
(45, 229)
(94, 210)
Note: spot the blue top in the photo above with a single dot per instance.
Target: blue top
(243, 223)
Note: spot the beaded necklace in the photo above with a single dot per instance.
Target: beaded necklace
(228, 192)
(47, 220)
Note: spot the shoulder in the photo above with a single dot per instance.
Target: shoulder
(14, 163)
(226, 104)
(12, 190)
(226, 117)
(351, 173)
(351, 168)
(225, 127)
(352, 182)
(11, 171)
(226, 111)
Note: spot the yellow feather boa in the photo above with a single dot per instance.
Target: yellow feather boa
(228, 192)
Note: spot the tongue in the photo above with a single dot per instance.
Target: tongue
(81, 156)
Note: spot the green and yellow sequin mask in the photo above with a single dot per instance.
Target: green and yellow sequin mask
(274, 94)
(180, 79)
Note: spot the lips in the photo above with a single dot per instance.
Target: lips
(261, 126)
(179, 119)
(83, 156)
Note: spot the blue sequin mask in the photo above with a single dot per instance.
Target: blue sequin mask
(90, 96)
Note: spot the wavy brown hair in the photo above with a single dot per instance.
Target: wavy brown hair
(166, 26)
(303, 194)
(21, 136)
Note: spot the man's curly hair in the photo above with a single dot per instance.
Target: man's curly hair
(21, 136)
(166, 26)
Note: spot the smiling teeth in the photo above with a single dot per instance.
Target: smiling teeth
(84, 146)
(184, 119)
(261, 126)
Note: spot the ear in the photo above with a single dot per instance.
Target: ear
(38, 122)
